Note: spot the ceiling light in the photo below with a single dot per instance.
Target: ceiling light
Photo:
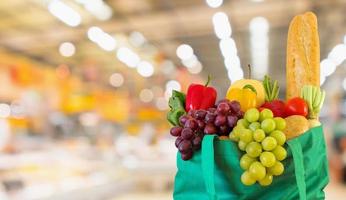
(335, 58)
(322, 79)
(161, 103)
(344, 83)
(67, 49)
(167, 67)
(197, 68)
(228, 47)
(5, 136)
(167, 95)
(64, 13)
(259, 27)
(338, 54)
(127, 56)
(221, 25)
(94, 33)
(137, 39)
(173, 85)
(146, 95)
(327, 67)
(259, 24)
(102, 39)
(190, 62)
(5, 110)
(157, 90)
(232, 62)
(236, 73)
(184, 51)
(145, 69)
(214, 3)
(17, 109)
(98, 8)
(234, 70)
(116, 80)
(107, 42)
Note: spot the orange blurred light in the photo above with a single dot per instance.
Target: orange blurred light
(62, 71)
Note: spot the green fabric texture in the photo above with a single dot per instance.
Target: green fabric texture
(214, 172)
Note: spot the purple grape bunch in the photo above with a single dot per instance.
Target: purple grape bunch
(219, 120)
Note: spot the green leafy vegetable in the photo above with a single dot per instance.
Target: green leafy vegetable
(271, 88)
(177, 107)
(314, 97)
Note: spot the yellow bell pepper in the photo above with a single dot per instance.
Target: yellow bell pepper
(246, 96)
(258, 85)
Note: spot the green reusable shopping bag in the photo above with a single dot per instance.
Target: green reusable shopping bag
(214, 172)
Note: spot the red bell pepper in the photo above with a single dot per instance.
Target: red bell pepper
(200, 96)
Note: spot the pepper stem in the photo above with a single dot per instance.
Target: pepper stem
(250, 87)
(208, 81)
(249, 73)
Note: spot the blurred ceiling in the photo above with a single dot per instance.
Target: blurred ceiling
(27, 28)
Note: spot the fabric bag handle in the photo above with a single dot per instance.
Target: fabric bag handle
(299, 170)
(208, 165)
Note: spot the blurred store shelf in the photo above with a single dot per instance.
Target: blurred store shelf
(145, 196)
(335, 191)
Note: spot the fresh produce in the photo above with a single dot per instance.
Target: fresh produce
(243, 123)
(200, 97)
(303, 54)
(267, 180)
(257, 170)
(242, 145)
(253, 149)
(257, 85)
(254, 126)
(252, 115)
(246, 96)
(259, 135)
(269, 143)
(295, 126)
(268, 125)
(246, 161)
(265, 114)
(296, 106)
(271, 97)
(268, 159)
(314, 97)
(189, 137)
(280, 153)
(247, 179)
(246, 136)
(279, 136)
(262, 146)
(277, 169)
(280, 123)
(196, 123)
(177, 107)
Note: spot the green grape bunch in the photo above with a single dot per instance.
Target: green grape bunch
(259, 136)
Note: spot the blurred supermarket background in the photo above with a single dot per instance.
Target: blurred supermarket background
(85, 83)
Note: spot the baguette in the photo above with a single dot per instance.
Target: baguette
(303, 54)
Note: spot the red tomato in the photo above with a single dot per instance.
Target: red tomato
(296, 106)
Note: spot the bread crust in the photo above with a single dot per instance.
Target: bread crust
(303, 54)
